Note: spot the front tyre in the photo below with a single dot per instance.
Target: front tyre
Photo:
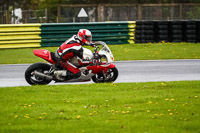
(110, 76)
(33, 79)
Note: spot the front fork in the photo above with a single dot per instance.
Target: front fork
(105, 73)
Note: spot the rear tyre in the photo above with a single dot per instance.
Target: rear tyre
(34, 80)
(111, 76)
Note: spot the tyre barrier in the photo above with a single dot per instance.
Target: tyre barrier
(167, 31)
(20, 35)
(54, 34)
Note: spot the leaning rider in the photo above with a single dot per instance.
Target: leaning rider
(69, 49)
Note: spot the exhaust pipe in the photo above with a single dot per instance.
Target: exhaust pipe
(42, 75)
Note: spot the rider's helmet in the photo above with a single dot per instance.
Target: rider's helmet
(85, 36)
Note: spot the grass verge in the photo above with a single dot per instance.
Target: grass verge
(148, 51)
(122, 107)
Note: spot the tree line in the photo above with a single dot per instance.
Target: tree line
(41, 4)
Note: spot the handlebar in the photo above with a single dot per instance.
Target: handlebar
(96, 56)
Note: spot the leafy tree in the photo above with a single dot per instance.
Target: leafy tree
(193, 14)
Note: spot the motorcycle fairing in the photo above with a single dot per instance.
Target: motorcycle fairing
(92, 71)
(44, 54)
(99, 68)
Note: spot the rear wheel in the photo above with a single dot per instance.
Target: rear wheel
(110, 76)
(33, 79)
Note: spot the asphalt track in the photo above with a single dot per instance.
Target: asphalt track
(129, 71)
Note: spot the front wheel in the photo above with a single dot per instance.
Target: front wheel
(108, 77)
(33, 79)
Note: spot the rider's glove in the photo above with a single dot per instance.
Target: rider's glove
(92, 44)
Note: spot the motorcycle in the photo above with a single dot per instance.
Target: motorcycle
(100, 69)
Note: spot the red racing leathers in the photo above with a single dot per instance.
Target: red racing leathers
(70, 48)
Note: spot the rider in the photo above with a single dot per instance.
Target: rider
(70, 48)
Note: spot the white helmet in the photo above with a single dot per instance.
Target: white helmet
(85, 36)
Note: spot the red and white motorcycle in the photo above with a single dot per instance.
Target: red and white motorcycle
(100, 70)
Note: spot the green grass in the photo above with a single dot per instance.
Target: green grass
(157, 51)
(123, 107)
(148, 51)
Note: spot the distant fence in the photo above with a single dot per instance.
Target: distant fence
(43, 35)
(128, 12)
(18, 16)
(103, 12)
